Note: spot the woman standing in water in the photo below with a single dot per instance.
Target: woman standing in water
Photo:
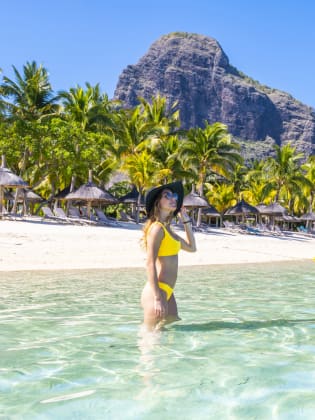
(162, 246)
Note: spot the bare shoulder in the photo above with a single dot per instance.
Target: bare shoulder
(156, 230)
(155, 237)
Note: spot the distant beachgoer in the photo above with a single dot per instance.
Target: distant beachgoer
(162, 246)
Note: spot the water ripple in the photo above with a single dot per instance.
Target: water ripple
(72, 347)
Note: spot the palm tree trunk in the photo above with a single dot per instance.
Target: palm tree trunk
(53, 192)
(200, 209)
(73, 178)
(138, 205)
(311, 202)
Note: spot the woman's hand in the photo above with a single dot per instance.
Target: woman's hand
(183, 215)
(188, 244)
(160, 308)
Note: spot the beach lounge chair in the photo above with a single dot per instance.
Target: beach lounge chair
(302, 229)
(59, 212)
(104, 219)
(74, 213)
(232, 227)
(124, 217)
(227, 224)
(305, 232)
(266, 229)
(277, 230)
(250, 229)
(48, 214)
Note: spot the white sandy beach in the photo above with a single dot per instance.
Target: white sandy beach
(49, 246)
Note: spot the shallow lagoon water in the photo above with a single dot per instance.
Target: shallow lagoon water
(72, 346)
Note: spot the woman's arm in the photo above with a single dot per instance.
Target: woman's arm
(154, 239)
(189, 244)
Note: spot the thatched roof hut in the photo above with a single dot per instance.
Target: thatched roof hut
(241, 208)
(8, 179)
(194, 200)
(308, 216)
(91, 194)
(131, 197)
(274, 209)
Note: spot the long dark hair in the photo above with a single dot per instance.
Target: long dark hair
(154, 216)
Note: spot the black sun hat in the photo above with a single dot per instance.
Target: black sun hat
(153, 193)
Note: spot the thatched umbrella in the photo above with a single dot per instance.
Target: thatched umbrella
(8, 179)
(286, 218)
(62, 194)
(273, 210)
(242, 208)
(29, 198)
(195, 201)
(309, 218)
(91, 193)
(261, 207)
(23, 196)
(210, 212)
(132, 198)
(289, 218)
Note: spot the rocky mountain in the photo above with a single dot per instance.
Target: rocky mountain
(194, 70)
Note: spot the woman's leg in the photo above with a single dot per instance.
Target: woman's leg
(149, 316)
(172, 310)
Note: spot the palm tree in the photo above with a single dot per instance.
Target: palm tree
(255, 181)
(222, 196)
(163, 141)
(87, 106)
(164, 151)
(159, 114)
(309, 168)
(284, 173)
(238, 180)
(140, 168)
(133, 131)
(209, 150)
(30, 95)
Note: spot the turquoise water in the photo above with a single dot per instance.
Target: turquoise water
(71, 345)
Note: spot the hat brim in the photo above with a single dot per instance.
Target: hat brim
(153, 193)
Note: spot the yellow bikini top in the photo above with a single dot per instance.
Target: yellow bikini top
(169, 245)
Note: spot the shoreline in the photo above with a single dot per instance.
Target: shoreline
(65, 270)
(47, 246)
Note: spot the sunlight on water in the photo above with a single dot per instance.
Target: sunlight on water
(72, 346)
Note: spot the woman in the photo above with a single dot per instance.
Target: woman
(162, 246)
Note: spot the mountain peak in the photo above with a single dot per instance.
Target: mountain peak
(194, 70)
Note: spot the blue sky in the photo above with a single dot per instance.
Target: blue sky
(93, 41)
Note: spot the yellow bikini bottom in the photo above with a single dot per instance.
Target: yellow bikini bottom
(167, 289)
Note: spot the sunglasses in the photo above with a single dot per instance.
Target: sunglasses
(169, 195)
